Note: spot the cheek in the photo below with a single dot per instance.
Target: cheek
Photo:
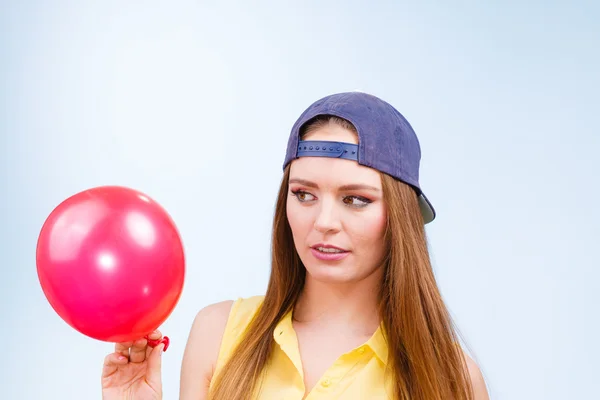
(299, 221)
(369, 233)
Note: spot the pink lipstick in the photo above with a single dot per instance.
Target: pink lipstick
(327, 252)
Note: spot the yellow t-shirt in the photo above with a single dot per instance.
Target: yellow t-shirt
(356, 375)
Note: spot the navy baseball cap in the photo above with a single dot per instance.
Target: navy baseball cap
(386, 141)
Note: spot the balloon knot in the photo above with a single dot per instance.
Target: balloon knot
(156, 342)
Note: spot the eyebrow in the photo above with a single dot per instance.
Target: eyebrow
(344, 187)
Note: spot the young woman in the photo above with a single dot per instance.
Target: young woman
(352, 310)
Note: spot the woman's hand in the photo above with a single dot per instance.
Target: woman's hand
(133, 371)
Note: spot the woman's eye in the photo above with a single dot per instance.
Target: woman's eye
(302, 196)
(351, 201)
(356, 201)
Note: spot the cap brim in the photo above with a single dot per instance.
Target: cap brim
(427, 210)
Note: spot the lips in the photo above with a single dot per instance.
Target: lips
(328, 248)
(327, 252)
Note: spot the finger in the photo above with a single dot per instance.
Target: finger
(123, 348)
(112, 363)
(137, 352)
(155, 335)
(154, 365)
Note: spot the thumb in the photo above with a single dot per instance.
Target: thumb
(154, 365)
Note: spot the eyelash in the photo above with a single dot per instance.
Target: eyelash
(364, 200)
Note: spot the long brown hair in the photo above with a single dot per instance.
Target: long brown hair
(424, 358)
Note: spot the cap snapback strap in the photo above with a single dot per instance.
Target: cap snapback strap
(318, 148)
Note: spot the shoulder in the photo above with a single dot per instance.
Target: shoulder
(243, 310)
(209, 330)
(214, 318)
(477, 381)
(202, 349)
(212, 321)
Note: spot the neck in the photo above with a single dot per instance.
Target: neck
(346, 306)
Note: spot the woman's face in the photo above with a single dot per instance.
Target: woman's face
(336, 212)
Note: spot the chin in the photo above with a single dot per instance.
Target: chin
(340, 273)
(331, 274)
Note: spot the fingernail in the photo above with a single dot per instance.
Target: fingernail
(121, 358)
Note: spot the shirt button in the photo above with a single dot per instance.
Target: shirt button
(326, 382)
(361, 350)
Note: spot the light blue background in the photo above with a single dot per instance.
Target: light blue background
(192, 101)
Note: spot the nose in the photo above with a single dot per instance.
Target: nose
(327, 219)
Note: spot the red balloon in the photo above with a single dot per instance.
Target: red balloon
(111, 263)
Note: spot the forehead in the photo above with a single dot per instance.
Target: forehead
(332, 132)
(332, 172)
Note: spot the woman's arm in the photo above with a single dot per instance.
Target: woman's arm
(477, 381)
(202, 350)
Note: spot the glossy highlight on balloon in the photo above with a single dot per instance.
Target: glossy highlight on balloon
(111, 263)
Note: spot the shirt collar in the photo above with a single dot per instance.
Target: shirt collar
(285, 335)
(378, 344)
(283, 328)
